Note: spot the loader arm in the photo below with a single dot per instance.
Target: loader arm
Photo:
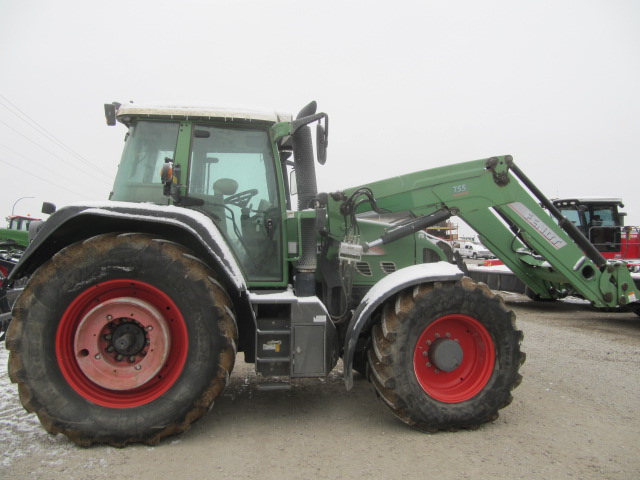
(504, 207)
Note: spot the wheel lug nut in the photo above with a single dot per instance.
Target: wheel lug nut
(97, 356)
(425, 354)
(137, 367)
(132, 358)
(429, 364)
(119, 357)
(149, 328)
(107, 336)
(109, 317)
(437, 335)
(428, 342)
(110, 348)
(448, 335)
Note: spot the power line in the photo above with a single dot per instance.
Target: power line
(54, 154)
(48, 181)
(16, 153)
(43, 131)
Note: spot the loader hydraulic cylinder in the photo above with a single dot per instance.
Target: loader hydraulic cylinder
(419, 223)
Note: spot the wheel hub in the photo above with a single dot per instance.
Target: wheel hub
(122, 343)
(454, 358)
(128, 339)
(446, 354)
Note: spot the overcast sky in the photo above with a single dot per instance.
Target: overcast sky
(407, 85)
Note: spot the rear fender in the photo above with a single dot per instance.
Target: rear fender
(190, 228)
(382, 291)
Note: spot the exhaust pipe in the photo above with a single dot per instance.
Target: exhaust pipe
(305, 284)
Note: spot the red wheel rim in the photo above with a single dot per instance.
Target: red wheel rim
(121, 343)
(467, 337)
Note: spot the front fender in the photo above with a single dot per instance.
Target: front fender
(76, 223)
(380, 293)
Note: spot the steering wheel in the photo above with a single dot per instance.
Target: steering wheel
(240, 199)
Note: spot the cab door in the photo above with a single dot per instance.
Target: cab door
(233, 170)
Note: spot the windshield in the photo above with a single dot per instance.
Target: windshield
(147, 146)
(233, 171)
(599, 223)
(573, 215)
(599, 216)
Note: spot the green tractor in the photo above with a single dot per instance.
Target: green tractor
(13, 241)
(216, 241)
(16, 233)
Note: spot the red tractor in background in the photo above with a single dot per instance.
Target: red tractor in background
(600, 220)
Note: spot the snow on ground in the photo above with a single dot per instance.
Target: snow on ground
(21, 432)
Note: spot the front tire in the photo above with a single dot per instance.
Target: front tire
(121, 339)
(445, 356)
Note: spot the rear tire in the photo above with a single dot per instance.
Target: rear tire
(121, 339)
(445, 356)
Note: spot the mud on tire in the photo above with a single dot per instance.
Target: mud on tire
(120, 339)
(445, 356)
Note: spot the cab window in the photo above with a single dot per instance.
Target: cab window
(147, 146)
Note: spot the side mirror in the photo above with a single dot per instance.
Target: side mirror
(307, 110)
(48, 208)
(321, 144)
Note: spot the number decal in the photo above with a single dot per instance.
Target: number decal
(460, 190)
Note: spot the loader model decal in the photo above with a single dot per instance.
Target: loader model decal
(540, 227)
(459, 190)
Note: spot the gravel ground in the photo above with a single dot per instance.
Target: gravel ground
(576, 415)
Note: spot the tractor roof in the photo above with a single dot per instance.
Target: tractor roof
(26, 217)
(126, 112)
(587, 200)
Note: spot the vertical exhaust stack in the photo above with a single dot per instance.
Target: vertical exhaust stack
(305, 283)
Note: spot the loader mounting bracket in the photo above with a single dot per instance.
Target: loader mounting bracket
(500, 169)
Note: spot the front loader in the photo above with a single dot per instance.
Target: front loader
(136, 307)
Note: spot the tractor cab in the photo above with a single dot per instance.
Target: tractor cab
(220, 163)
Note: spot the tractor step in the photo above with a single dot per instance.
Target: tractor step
(294, 336)
(267, 386)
